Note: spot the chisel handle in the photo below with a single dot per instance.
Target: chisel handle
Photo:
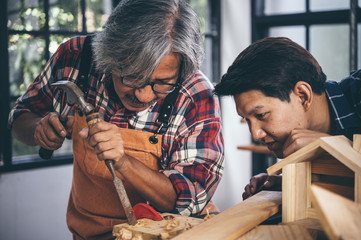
(92, 119)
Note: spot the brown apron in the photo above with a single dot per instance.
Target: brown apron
(94, 207)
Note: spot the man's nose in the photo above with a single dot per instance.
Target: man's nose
(257, 132)
(145, 94)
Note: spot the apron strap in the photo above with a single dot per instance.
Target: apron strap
(85, 60)
(165, 113)
(168, 104)
(166, 110)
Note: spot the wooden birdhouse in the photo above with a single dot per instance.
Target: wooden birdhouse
(333, 163)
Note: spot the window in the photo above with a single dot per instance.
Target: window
(327, 28)
(32, 30)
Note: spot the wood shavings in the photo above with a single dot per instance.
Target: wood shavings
(208, 216)
(124, 234)
(147, 229)
(171, 224)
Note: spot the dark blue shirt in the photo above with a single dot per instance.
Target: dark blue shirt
(345, 105)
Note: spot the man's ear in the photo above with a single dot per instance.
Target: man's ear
(303, 91)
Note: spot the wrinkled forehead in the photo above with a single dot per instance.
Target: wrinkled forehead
(169, 64)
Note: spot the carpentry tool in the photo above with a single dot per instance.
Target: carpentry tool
(47, 153)
(76, 96)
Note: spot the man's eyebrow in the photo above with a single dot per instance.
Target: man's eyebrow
(253, 110)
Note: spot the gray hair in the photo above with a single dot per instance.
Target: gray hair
(140, 33)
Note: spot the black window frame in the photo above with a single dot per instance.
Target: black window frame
(261, 23)
(6, 162)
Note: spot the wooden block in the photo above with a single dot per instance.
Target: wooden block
(237, 220)
(295, 180)
(147, 229)
(277, 232)
(340, 217)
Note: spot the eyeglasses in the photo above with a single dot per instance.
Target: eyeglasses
(158, 87)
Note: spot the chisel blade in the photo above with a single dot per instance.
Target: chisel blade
(122, 194)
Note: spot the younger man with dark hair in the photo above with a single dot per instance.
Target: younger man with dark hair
(281, 91)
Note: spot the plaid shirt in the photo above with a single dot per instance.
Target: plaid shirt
(192, 147)
(345, 101)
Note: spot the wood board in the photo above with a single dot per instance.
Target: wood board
(313, 227)
(277, 232)
(339, 216)
(237, 220)
(338, 147)
(146, 229)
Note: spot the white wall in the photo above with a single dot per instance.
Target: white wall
(236, 35)
(33, 203)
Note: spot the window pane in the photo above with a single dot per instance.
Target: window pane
(295, 33)
(22, 152)
(55, 41)
(97, 13)
(284, 7)
(65, 15)
(20, 149)
(326, 5)
(26, 59)
(200, 7)
(330, 45)
(25, 15)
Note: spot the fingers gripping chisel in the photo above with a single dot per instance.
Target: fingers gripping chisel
(76, 96)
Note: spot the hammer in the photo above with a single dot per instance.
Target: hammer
(76, 96)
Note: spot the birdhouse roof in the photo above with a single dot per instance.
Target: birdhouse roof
(339, 147)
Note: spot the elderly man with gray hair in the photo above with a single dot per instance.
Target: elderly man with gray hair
(160, 120)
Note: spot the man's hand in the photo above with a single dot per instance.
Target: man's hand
(107, 142)
(299, 138)
(262, 181)
(50, 133)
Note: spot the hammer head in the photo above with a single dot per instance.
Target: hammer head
(74, 95)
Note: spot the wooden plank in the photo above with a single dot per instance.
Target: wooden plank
(237, 220)
(357, 147)
(357, 188)
(295, 180)
(357, 142)
(312, 225)
(339, 147)
(311, 213)
(345, 191)
(277, 232)
(328, 165)
(309, 223)
(255, 148)
(306, 153)
(147, 229)
(340, 217)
